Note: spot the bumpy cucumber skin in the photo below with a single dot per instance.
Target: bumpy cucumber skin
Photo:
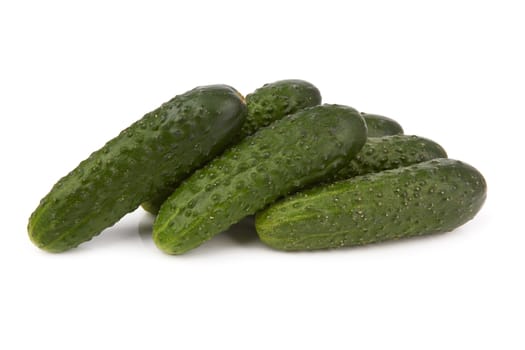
(291, 153)
(273, 101)
(430, 197)
(160, 149)
(389, 152)
(379, 125)
(268, 103)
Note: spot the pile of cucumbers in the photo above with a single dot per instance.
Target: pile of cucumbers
(315, 175)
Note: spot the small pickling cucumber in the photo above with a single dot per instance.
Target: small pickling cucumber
(160, 149)
(273, 101)
(430, 197)
(389, 152)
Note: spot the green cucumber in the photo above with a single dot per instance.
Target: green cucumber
(291, 153)
(381, 126)
(160, 149)
(430, 197)
(273, 101)
(389, 152)
(266, 104)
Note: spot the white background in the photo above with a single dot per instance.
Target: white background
(73, 75)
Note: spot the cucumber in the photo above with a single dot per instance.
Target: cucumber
(389, 152)
(381, 126)
(266, 104)
(160, 149)
(273, 101)
(291, 153)
(430, 197)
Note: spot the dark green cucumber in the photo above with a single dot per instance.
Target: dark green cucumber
(389, 152)
(160, 149)
(379, 126)
(266, 104)
(291, 153)
(273, 101)
(430, 197)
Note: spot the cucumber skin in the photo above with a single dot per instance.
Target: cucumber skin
(291, 153)
(276, 100)
(265, 105)
(161, 148)
(389, 152)
(430, 197)
(379, 125)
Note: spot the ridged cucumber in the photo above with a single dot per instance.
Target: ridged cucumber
(160, 149)
(266, 104)
(430, 197)
(291, 153)
(389, 152)
(379, 125)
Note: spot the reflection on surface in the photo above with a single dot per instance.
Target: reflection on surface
(241, 233)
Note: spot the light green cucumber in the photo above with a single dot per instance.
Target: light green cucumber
(281, 158)
(430, 197)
